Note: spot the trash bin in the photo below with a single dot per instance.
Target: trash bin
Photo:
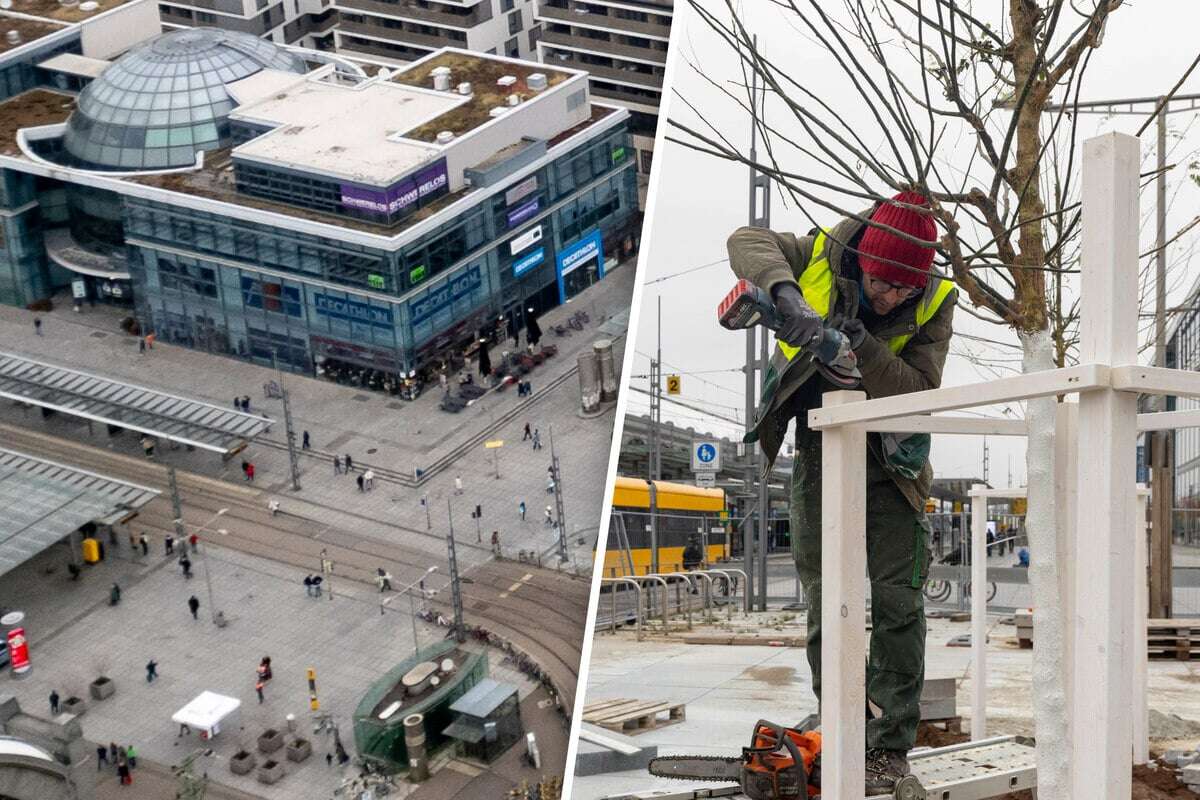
(91, 550)
(291, 723)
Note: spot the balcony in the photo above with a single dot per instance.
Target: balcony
(408, 10)
(607, 48)
(608, 21)
(397, 35)
(627, 97)
(648, 80)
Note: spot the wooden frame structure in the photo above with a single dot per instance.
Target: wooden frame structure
(1095, 441)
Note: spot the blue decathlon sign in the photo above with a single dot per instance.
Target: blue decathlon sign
(528, 261)
(445, 295)
(706, 456)
(353, 310)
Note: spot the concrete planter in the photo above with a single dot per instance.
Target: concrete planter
(102, 688)
(270, 741)
(270, 771)
(74, 705)
(299, 749)
(242, 762)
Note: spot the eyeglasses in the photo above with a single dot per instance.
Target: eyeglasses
(902, 290)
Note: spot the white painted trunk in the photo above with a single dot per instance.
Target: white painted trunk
(1050, 712)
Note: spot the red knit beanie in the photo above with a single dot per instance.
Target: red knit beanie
(878, 248)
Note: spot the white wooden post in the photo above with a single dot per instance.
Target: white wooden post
(1107, 431)
(978, 613)
(843, 606)
(1141, 588)
(1066, 487)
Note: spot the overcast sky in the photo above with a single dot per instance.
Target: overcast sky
(698, 200)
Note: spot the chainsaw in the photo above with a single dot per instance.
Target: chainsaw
(780, 764)
(748, 305)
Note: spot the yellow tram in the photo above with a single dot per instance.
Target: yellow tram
(682, 510)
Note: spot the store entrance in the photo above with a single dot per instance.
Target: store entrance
(581, 277)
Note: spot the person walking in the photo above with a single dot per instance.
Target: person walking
(898, 320)
(114, 595)
(54, 698)
(37, 325)
(349, 464)
(101, 757)
(537, 439)
(528, 433)
(123, 775)
(305, 444)
(194, 541)
(250, 472)
(337, 465)
(384, 580)
(151, 670)
(361, 481)
(549, 519)
(141, 345)
(246, 469)
(316, 584)
(169, 545)
(145, 545)
(194, 606)
(185, 564)
(258, 689)
(113, 752)
(496, 542)
(458, 485)
(246, 403)
(131, 754)
(369, 479)
(150, 337)
(521, 510)
(308, 585)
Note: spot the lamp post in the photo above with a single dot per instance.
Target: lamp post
(411, 603)
(204, 556)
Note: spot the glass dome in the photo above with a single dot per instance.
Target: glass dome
(165, 99)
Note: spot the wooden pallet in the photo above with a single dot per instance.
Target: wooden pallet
(633, 716)
(1173, 638)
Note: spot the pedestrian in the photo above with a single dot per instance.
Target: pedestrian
(169, 545)
(349, 464)
(258, 688)
(305, 444)
(529, 388)
(250, 473)
(194, 541)
(123, 772)
(369, 479)
(537, 439)
(246, 404)
(114, 595)
(101, 757)
(132, 540)
(337, 465)
(54, 701)
(237, 403)
(273, 506)
(37, 326)
(150, 337)
(73, 569)
(245, 469)
(141, 345)
(184, 730)
(361, 481)
(145, 543)
(100, 549)
(496, 542)
(266, 665)
(549, 520)
(458, 484)
(384, 579)
(308, 585)
(185, 564)
(550, 484)
(194, 606)
(151, 672)
(131, 754)
(329, 760)
(444, 381)
(112, 753)
(316, 584)
(521, 509)
(528, 434)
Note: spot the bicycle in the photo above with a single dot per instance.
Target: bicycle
(991, 595)
(936, 590)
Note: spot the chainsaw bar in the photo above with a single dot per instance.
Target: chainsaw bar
(697, 768)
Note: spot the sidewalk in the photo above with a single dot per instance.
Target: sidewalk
(379, 432)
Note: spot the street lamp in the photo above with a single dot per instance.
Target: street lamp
(412, 609)
(204, 556)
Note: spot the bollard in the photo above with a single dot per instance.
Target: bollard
(414, 741)
(291, 723)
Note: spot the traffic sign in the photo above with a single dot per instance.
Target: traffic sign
(706, 456)
(672, 384)
(706, 480)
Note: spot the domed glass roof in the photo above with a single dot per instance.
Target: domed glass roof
(165, 99)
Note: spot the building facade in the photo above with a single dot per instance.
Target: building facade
(301, 240)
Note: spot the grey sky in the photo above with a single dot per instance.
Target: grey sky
(698, 200)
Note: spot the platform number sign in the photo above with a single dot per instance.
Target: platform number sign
(672, 384)
(706, 456)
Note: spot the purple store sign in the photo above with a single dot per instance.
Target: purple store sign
(400, 196)
(522, 212)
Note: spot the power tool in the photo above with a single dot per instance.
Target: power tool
(747, 305)
(780, 764)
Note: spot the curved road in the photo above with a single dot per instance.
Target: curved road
(540, 611)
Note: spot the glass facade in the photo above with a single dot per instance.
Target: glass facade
(165, 100)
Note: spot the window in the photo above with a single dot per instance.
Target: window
(515, 25)
(535, 35)
(512, 48)
(506, 5)
(646, 156)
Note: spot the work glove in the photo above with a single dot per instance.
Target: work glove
(800, 324)
(855, 332)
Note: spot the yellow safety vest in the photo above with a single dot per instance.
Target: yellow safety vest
(816, 284)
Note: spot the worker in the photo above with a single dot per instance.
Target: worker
(876, 286)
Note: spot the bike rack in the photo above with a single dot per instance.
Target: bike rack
(637, 613)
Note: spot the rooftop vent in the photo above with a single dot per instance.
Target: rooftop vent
(507, 81)
(441, 78)
(68, 3)
(514, 99)
(464, 88)
(536, 81)
(498, 111)
(384, 73)
(89, 6)
(13, 37)
(445, 137)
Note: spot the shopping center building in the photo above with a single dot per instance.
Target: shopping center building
(244, 200)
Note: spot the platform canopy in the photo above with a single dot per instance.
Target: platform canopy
(125, 405)
(44, 501)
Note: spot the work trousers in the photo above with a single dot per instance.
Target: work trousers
(898, 558)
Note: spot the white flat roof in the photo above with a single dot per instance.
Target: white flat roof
(75, 64)
(346, 130)
(261, 85)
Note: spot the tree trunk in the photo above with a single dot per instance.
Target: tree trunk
(1050, 712)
